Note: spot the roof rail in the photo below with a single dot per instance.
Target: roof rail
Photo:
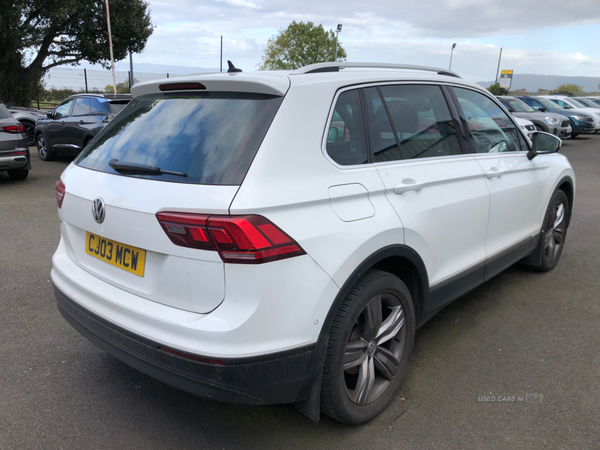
(336, 66)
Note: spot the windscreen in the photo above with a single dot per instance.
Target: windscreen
(518, 105)
(212, 138)
(548, 104)
(578, 103)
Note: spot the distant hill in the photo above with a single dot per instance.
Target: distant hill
(532, 83)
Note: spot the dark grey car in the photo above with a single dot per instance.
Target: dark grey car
(28, 117)
(549, 122)
(72, 124)
(14, 153)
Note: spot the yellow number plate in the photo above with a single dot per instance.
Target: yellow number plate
(131, 259)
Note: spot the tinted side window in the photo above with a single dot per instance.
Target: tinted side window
(410, 121)
(81, 107)
(346, 136)
(490, 129)
(99, 106)
(63, 110)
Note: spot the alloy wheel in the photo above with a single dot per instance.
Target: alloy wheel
(555, 231)
(374, 349)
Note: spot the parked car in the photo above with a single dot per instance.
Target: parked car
(588, 102)
(277, 237)
(576, 106)
(527, 126)
(27, 117)
(74, 123)
(14, 153)
(580, 121)
(543, 121)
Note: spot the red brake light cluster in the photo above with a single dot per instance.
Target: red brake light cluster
(60, 193)
(181, 86)
(238, 239)
(13, 128)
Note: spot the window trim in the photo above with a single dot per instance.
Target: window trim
(502, 108)
(330, 118)
(68, 100)
(450, 102)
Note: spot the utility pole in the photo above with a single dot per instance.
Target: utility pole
(221, 60)
(130, 70)
(337, 32)
(498, 70)
(112, 59)
(451, 52)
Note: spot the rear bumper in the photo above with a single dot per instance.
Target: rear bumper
(10, 162)
(275, 378)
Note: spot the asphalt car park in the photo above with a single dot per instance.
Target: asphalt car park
(521, 333)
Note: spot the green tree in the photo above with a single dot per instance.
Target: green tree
(298, 45)
(570, 88)
(497, 90)
(36, 35)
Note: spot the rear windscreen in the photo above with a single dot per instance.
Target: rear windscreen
(211, 137)
(4, 113)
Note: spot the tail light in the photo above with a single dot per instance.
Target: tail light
(13, 128)
(238, 239)
(60, 193)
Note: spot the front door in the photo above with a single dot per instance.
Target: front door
(516, 184)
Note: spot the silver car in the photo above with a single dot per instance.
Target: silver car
(553, 123)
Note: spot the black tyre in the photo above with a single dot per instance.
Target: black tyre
(43, 149)
(29, 129)
(370, 342)
(538, 127)
(554, 231)
(17, 174)
(574, 135)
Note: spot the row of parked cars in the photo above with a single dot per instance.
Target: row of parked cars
(560, 115)
(66, 129)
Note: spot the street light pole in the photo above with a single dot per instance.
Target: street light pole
(337, 31)
(451, 52)
(498, 69)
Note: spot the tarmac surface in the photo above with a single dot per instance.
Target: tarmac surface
(521, 333)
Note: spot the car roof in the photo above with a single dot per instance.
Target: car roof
(336, 75)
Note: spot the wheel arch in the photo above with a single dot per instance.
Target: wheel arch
(566, 185)
(399, 260)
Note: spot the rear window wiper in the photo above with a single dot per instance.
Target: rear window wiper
(123, 166)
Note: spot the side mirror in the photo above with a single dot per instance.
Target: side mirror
(50, 114)
(543, 143)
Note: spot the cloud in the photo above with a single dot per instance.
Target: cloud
(242, 3)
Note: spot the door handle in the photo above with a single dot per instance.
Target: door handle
(494, 172)
(408, 184)
(62, 122)
(83, 122)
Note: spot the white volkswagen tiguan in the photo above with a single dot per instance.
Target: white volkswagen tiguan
(277, 237)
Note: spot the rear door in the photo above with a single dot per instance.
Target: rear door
(516, 184)
(437, 190)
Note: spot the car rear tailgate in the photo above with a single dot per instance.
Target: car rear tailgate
(185, 278)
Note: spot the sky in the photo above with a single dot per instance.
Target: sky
(546, 37)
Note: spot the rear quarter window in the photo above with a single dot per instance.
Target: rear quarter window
(211, 137)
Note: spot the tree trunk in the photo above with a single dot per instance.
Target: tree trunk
(19, 86)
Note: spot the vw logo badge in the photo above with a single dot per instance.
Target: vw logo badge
(98, 210)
